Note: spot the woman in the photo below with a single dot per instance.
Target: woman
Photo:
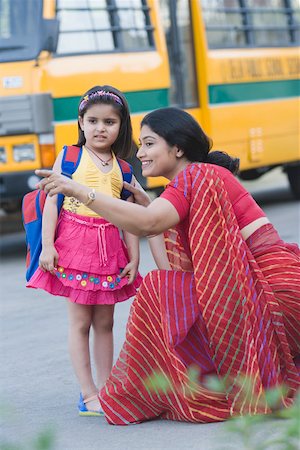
(226, 300)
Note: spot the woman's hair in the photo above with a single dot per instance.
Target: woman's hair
(109, 96)
(177, 127)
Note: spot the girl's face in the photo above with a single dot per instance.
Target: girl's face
(101, 125)
(158, 158)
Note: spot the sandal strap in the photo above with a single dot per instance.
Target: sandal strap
(93, 397)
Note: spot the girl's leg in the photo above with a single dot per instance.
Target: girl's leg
(103, 320)
(80, 320)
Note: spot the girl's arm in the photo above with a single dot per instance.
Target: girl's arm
(133, 247)
(159, 216)
(158, 250)
(49, 257)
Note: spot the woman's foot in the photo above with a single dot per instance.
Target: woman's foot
(90, 406)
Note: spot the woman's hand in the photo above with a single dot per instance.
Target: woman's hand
(140, 196)
(54, 183)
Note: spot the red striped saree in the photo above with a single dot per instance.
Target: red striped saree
(213, 314)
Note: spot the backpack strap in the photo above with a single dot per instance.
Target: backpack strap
(71, 159)
(127, 173)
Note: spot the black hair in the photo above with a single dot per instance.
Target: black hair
(177, 127)
(123, 145)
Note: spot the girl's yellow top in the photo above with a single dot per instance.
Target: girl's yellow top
(90, 175)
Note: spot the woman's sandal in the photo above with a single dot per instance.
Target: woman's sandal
(83, 411)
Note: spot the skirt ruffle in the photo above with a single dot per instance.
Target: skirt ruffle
(91, 258)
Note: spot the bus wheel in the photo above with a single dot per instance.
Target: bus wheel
(293, 173)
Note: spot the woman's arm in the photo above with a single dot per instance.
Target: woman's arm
(159, 216)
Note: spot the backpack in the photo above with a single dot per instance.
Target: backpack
(33, 205)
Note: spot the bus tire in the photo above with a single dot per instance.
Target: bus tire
(293, 173)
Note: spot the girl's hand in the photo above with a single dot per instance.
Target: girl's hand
(130, 271)
(54, 183)
(140, 196)
(48, 259)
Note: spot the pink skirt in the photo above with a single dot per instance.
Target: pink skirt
(91, 258)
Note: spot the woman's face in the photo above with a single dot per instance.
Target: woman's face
(158, 158)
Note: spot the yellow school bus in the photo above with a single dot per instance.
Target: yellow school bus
(51, 53)
(233, 64)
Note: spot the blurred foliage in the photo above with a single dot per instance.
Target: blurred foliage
(43, 441)
(249, 431)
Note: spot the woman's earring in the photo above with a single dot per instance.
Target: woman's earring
(179, 153)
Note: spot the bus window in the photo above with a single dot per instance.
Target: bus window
(269, 12)
(295, 19)
(242, 23)
(93, 26)
(176, 19)
(135, 29)
(224, 22)
(19, 29)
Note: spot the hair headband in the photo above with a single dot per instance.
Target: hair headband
(88, 97)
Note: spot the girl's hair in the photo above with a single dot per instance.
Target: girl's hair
(177, 127)
(109, 95)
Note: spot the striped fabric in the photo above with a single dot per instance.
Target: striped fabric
(214, 315)
(279, 263)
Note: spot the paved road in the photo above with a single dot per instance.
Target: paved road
(38, 388)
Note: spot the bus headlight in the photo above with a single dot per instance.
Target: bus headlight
(24, 152)
(2, 155)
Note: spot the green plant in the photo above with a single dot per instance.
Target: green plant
(43, 441)
(247, 429)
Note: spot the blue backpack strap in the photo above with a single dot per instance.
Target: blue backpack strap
(71, 159)
(127, 173)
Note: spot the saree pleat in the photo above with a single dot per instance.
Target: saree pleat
(213, 315)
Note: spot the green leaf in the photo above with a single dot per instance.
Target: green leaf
(214, 383)
(44, 440)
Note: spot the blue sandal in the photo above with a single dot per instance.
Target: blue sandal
(83, 411)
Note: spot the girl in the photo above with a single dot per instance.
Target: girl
(226, 302)
(83, 257)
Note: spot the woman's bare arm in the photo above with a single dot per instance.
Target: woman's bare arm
(159, 216)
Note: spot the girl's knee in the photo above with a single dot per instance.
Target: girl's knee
(82, 326)
(80, 318)
(105, 324)
(103, 319)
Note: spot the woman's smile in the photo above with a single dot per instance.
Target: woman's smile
(146, 163)
(157, 157)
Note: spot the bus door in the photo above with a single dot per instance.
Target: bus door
(176, 20)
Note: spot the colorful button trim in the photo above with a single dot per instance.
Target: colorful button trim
(108, 281)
